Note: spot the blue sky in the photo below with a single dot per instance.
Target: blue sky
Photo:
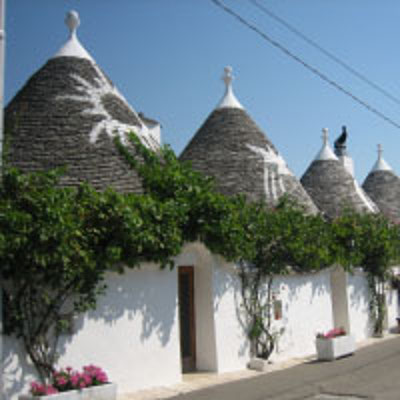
(167, 58)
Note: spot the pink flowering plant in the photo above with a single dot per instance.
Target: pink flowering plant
(335, 332)
(39, 389)
(69, 379)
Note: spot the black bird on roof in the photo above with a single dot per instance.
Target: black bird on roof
(340, 142)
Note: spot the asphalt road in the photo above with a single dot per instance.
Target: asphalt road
(372, 372)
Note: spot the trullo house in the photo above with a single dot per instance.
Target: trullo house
(152, 325)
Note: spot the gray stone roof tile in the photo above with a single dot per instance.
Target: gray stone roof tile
(230, 147)
(66, 115)
(383, 186)
(333, 189)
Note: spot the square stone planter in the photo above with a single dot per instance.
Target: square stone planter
(102, 392)
(330, 349)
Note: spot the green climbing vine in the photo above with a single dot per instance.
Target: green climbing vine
(266, 242)
(285, 241)
(371, 242)
(57, 245)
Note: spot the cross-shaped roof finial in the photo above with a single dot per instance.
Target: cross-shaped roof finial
(380, 151)
(326, 152)
(229, 100)
(381, 164)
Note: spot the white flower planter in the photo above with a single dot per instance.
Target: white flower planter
(102, 392)
(258, 364)
(330, 349)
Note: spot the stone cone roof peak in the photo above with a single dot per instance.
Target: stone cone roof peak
(73, 47)
(68, 114)
(232, 149)
(381, 164)
(326, 152)
(229, 100)
(332, 187)
(383, 186)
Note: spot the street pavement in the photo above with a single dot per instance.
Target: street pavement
(373, 372)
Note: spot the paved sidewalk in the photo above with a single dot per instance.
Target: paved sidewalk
(202, 380)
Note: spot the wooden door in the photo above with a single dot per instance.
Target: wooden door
(187, 318)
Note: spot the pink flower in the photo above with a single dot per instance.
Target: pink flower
(87, 378)
(101, 377)
(50, 390)
(332, 333)
(61, 380)
(68, 379)
(38, 389)
(75, 379)
(97, 374)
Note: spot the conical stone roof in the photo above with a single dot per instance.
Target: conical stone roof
(230, 147)
(383, 186)
(67, 115)
(331, 186)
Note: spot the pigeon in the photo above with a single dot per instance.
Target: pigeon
(341, 140)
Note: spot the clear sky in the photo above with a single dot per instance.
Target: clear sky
(167, 58)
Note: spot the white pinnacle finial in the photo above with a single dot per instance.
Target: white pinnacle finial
(381, 164)
(228, 76)
(73, 48)
(229, 100)
(325, 135)
(72, 21)
(326, 153)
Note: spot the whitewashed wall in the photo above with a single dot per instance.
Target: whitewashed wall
(306, 310)
(231, 340)
(132, 333)
(16, 372)
(392, 310)
(358, 301)
(393, 305)
(306, 307)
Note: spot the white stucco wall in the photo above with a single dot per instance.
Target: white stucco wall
(231, 339)
(134, 333)
(393, 304)
(358, 297)
(131, 334)
(358, 301)
(392, 310)
(306, 310)
(340, 306)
